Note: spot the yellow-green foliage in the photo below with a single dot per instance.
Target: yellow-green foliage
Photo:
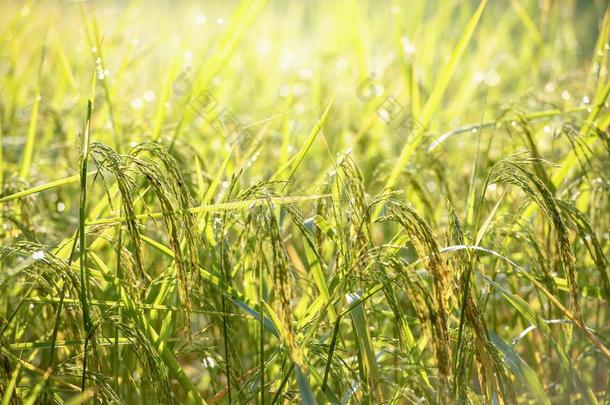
(351, 201)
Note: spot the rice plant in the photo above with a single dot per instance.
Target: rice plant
(348, 202)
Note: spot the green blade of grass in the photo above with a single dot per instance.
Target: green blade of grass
(160, 346)
(489, 219)
(520, 368)
(532, 316)
(43, 187)
(244, 15)
(307, 397)
(82, 217)
(601, 96)
(434, 101)
(28, 151)
(37, 390)
(293, 163)
(228, 206)
(10, 387)
(527, 21)
(370, 377)
(95, 42)
(81, 398)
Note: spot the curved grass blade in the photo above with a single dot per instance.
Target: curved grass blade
(228, 206)
(28, 152)
(307, 397)
(520, 368)
(44, 187)
(10, 387)
(293, 163)
(434, 101)
(534, 318)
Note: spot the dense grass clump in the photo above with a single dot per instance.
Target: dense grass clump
(319, 202)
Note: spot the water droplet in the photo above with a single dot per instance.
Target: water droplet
(547, 129)
(208, 362)
(149, 96)
(94, 49)
(407, 45)
(550, 87)
(342, 63)
(61, 207)
(136, 103)
(565, 95)
(220, 21)
(25, 11)
(38, 255)
(351, 298)
(200, 18)
(595, 68)
(586, 100)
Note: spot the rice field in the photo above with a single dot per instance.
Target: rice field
(269, 202)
